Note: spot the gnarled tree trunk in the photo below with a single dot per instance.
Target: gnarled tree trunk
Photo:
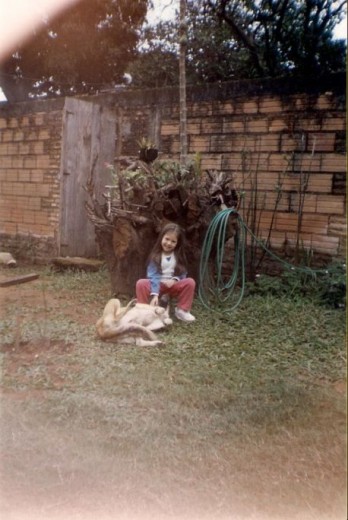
(136, 209)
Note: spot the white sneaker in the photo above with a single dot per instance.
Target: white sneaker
(184, 315)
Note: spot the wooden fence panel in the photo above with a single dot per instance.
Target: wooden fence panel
(89, 132)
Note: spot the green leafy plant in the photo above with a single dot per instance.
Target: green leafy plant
(324, 286)
(169, 171)
(137, 184)
(333, 285)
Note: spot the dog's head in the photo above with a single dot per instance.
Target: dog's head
(163, 314)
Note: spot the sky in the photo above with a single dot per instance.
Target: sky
(165, 9)
(162, 10)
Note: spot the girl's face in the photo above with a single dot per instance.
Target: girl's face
(169, 242)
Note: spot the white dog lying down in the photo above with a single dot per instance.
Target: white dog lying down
(133, 323)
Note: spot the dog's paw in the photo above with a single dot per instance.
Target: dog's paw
(168, 321)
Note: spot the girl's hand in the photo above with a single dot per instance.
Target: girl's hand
(154, 301)
(168, 283)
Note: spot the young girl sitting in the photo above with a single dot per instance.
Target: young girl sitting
(167, 274)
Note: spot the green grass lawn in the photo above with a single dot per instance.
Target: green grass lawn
(237, 416)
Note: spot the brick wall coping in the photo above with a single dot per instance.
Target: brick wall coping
(224, 91)
(8, 109)
(230, 90)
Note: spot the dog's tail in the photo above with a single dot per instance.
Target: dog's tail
(113, 308)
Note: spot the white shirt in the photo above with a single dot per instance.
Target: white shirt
(168, 263)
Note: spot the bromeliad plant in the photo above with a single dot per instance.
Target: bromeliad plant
(148, 151)
(140, 181)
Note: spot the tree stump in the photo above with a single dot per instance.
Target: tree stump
(143, 199)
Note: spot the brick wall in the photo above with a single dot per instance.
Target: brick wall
(271, 133)
(30, 153)
(267, 134)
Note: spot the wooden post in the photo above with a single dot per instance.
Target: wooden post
(182, 83)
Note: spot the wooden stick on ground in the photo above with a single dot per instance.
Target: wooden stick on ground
(19, 279)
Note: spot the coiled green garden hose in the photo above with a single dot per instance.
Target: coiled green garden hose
(213, 290)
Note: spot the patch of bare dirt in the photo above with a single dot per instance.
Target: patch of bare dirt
(32, 349)
(43, 302)
(44, 353)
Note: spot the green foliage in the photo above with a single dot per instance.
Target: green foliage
(244, 39)
(92, 44)
(86, 48)
(208, 44)
(213, 54)
(326, 287)
(157, 62)
(169, 171)
(332, 286)
(161, 173)
(286, 36)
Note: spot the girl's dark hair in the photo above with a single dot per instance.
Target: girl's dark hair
(156, 253)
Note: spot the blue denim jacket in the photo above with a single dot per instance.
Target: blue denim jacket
(154, 275)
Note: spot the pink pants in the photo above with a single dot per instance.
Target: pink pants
(183, 291)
